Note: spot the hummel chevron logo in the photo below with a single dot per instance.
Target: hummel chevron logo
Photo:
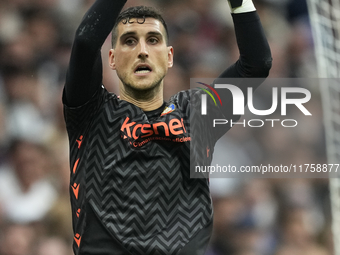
(79, 141)
(75, 188)
(77, 239)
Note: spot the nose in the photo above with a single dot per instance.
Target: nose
(143, 50)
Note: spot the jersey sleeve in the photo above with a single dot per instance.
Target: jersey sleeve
(254, 62)
(84, 74)
(78, 118)
(255, 56)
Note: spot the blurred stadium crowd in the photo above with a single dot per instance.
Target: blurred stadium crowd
(252, 216)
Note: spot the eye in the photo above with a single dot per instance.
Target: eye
(153, 40)
(130, 41)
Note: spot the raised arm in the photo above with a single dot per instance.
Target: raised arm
(255, 56)
(84, 74)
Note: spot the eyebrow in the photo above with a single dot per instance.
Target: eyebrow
(156, 33)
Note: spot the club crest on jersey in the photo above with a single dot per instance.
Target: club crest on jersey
(169, 109)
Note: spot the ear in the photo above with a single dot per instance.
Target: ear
(112, 62)
(170, 56)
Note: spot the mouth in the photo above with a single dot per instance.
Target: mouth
(143, 69)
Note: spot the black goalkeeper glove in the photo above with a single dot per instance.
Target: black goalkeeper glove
(240, 6)
(235, 3)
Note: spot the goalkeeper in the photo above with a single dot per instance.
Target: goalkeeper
(131, 192)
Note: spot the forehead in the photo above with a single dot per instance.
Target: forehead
(136, 25)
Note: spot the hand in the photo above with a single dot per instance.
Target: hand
(241, 6)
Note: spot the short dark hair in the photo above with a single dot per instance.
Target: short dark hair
(140, 13)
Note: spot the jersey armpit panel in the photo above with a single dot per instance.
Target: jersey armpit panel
(78, 118)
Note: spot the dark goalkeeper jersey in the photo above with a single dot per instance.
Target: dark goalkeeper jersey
(131, 170)
(131, 192)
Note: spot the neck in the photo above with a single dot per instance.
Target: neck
(147, 100)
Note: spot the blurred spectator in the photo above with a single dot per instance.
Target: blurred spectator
(53, 246)
(25, 108)
(298, 235)
(17, 239)
(25, 192)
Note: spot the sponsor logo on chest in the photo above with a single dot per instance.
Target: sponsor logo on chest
(136, 130)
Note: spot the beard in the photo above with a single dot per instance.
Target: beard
(141, 91)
